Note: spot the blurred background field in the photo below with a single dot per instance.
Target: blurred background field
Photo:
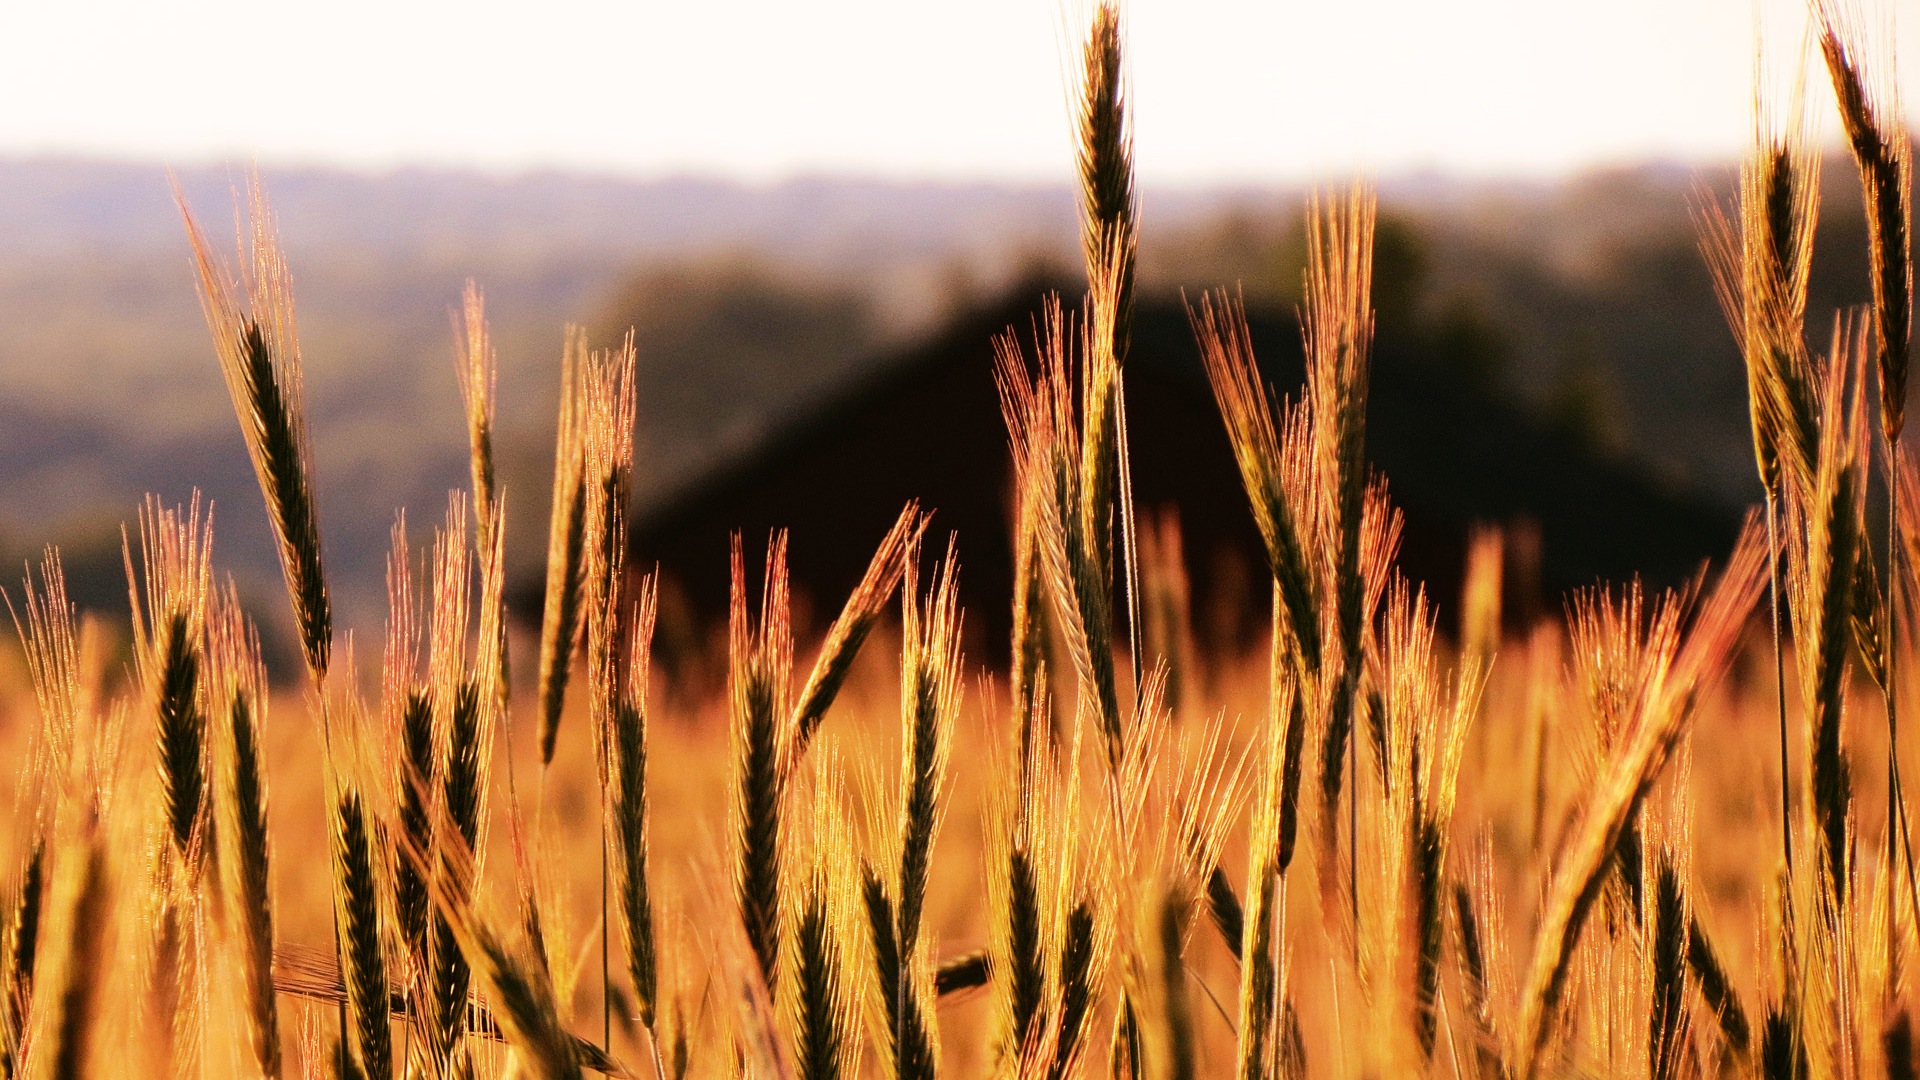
(765, 310)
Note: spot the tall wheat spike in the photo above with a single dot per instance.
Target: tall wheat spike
(1761, 259)
(567, 540)
(760, 662)
(1109, 236)
(478, 369)
(930, 703)
(626, 748)
(1868, 96)
(464, 726)
(1821, 595)
(239, 688)
(169, 628)
(259, 353)
(610, 393)
(1103, 153)
(1867, 91)
(895, 903)
(823, 1004)
(360, 914)
(1427, 717)
(407, 708)
(856, 620)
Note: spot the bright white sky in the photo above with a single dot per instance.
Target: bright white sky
(963, 89)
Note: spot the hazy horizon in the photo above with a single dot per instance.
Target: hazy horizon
(1224, 91)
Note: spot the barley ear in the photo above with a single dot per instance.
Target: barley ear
(1104, 156)
(259, 353)
(849, 631)
(566, 540)
(18, 952)
(358, 914)
(627, 787)
(1716, 987)
(240, 690)
(1270, 447)
(760, 660)
(1865, 88)
(478, 368)
(823, 1005)
(169, 633)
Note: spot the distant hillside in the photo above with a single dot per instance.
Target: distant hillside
(928, 428)
(1585, 302)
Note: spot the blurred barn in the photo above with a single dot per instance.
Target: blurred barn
(928, 427)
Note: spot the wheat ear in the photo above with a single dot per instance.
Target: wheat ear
(566, 540)
(240, 797)
(1689, 663)
(169, 627)
(627, 775)
(259, 353)
(478, 369)
(760, 662)
(863, 608)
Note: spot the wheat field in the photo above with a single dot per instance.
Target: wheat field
(1662, 835)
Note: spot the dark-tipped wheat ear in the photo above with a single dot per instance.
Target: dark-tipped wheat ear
(259, 353)
(1760, 267)
(1868, 97)
(241, 801)
(627, 791)
(1822, 600)
(175, 548)
(760, 660)
(863, 608)
(18, 951)
(566, 541)
(478, 369)
(359, 915)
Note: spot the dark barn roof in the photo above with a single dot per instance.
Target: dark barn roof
(929, 428)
